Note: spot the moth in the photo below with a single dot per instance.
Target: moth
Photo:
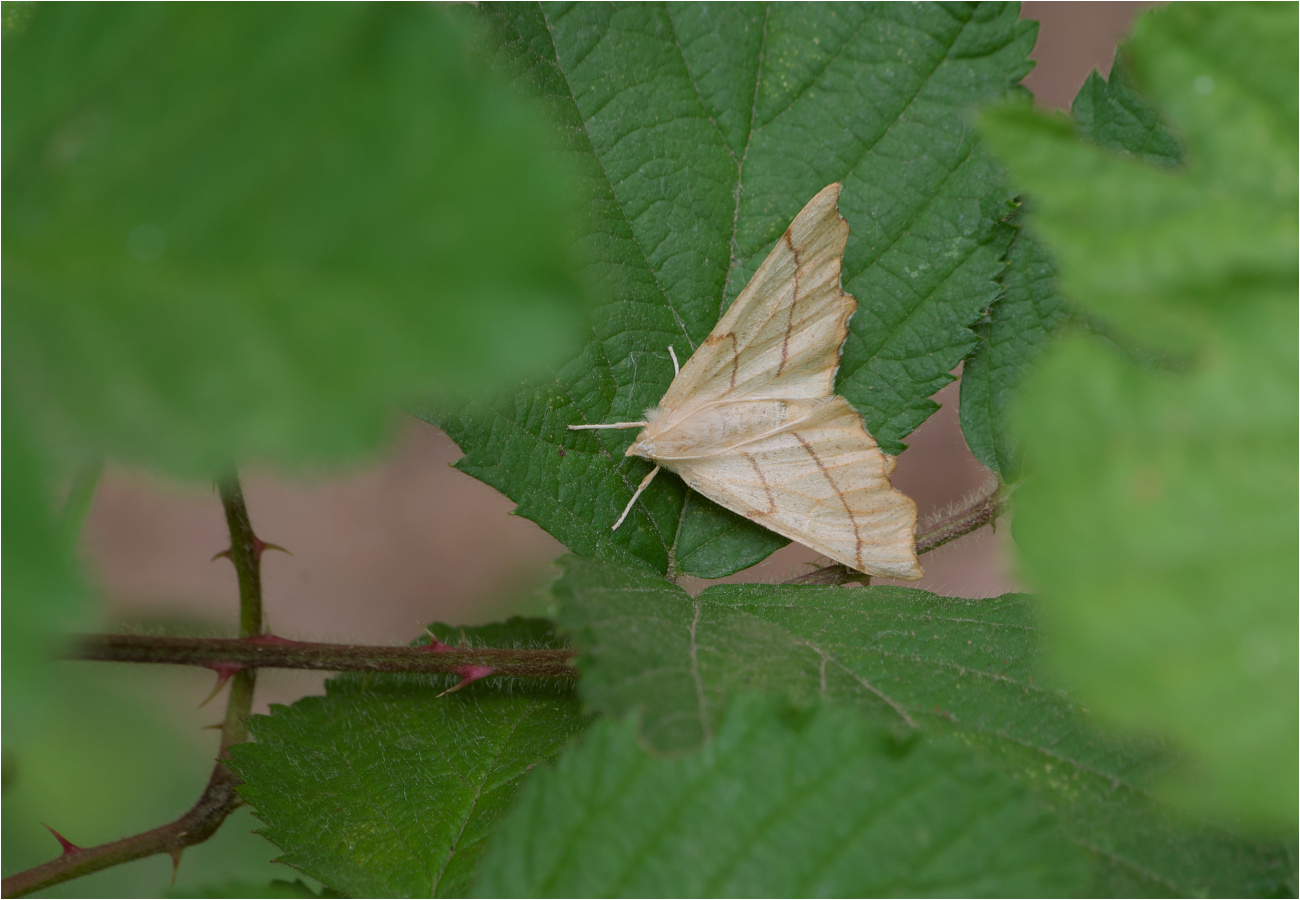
(753, 423)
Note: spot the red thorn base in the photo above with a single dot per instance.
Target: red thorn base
(67, 845)
(225, 671)
(259, 547)
(468, 675)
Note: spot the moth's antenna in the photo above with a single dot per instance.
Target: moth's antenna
(677, 370)
(609, 425)
(645, 483)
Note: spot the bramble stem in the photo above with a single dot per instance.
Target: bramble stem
(246, 554)
(276, 653)
(219, 798)
(984, 510)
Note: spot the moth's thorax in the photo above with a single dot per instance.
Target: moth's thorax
(714, 428)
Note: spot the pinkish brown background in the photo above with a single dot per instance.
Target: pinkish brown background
(379, 548)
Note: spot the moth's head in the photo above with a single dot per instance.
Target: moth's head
(642, 448)
(644, 445)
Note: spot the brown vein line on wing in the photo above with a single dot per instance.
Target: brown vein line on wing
(794, 301)
(857, 534)
(759, 347)
(757, 350)
(771, 501)
(773, 522)
(735, 353)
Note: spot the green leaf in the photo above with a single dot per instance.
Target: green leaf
(249, 232)
(700, 132)
(1161, 254)
(969, 668)
(1113, 114)
(276, 888)
(43, 597)
(817, 804)
(384, 788)
(1030, 311)
(1171, 579)
(1027, 316)
(1160, 516)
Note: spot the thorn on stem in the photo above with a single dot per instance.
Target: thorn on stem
(175, 854)
(67, 845)
(259, 546)
(435, 644)
(225, 671)
(468, 675)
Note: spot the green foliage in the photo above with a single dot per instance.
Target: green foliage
(1022, 324)
(1160, 517)
(277, 888)
(1030, 312)
(43, 598)
(1111, 112)
(1161, 254)
(384, 788)
(244, 233)
(903, 657)
(815, 804)
(699, 133)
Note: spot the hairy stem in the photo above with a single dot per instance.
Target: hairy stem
(983, 510)
(219, 798)
(276, 653)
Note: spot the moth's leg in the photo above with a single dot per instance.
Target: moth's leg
(609, 425)
(645, 483)
(677, 370)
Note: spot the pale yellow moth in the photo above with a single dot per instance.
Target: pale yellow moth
(752, 421)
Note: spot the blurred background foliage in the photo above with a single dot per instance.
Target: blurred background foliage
(243, 236)
(1158, 517)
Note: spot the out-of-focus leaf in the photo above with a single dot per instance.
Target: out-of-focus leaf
(969, 668)
(384, 788)
(1030, 311)
(1111, 112)
(43, 598)
(1028, 315)
(276, 888)
(1160, 516)
(235, 232)
(700, 132)
(1163, 256)
(816, 804)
